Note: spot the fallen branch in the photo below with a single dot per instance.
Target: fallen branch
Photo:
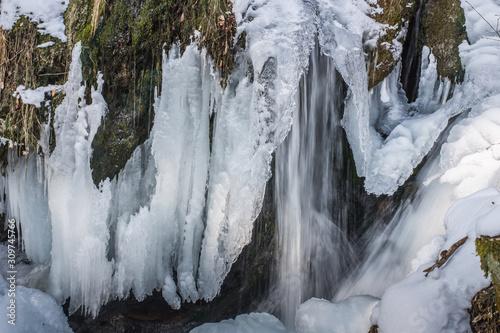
(445, 255)
(49, 74)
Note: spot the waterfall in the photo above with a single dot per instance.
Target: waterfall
(311, 198)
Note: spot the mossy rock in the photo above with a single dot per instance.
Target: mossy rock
(395, 14)
(23, 63)
(443, 30)
(125, 39)
(488, 249)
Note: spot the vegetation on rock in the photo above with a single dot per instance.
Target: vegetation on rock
(395, 16)
(488, 249)
(125, 39)
(443, 34)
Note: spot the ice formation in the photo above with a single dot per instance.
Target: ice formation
(184, 226)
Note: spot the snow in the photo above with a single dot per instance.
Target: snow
(35, 311)
(44, 45)
(439, 302)
(477, 26)
(47, 13)
(37, 96)
(471, 155)
(351, 315)
(245, 323)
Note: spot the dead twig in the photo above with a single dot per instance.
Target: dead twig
(445, 255)
(494, 30)
(49, 74)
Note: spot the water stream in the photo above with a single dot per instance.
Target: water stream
(311, 198)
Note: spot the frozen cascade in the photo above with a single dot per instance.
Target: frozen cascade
(182, 209)
(27, 199)
(78, 210)
(311, 198)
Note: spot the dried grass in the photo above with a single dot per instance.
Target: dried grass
(96, 14)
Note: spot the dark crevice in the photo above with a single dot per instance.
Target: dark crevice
(410, 71)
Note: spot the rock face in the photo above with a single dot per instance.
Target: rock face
(396, 15)
(443, 34)
(488, 249)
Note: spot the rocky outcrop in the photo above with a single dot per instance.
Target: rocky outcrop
(395, 15)
(488, 249)
(443, 34)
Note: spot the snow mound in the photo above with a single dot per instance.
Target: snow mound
(245, 323)
(35, 311)
(439, 302)
(351, 315)
(48, 15)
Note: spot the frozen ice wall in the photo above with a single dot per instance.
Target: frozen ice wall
(182, 209)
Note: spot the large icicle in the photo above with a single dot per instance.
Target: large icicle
(80, 268)
(171, 227)
(27, 201)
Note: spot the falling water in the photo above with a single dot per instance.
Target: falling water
(311, 195)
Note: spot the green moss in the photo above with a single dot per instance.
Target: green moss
(126, 46)
(394, 15)
(488, 250)
(443, 34)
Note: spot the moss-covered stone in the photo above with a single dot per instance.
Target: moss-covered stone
(488, 249)
(126, 44)
(125, 40)
(23, 63)
(443, 30)
(383, 60)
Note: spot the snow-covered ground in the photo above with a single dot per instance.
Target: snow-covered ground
(47, 13)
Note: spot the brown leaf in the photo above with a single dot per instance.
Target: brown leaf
(182, 17)
(222, 19)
